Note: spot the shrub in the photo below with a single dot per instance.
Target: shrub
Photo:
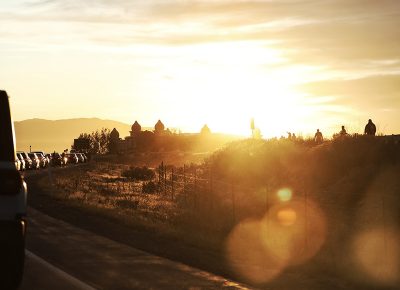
(149, 187)
(139, 173)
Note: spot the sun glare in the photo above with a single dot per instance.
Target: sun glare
(228, 84)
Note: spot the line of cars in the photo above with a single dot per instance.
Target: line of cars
(39, 159)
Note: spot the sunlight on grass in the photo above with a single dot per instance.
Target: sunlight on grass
(271, 206)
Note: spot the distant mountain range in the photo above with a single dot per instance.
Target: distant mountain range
(57, 135)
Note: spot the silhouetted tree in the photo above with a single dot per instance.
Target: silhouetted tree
(99, 141)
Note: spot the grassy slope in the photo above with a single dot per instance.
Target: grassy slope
(353, 182)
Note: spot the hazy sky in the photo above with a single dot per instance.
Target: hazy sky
(292, 65)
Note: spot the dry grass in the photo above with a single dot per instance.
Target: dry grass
(353, 182)
(100, 187)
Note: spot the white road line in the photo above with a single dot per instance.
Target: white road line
(74, 281)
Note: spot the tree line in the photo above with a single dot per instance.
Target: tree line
(99, 141)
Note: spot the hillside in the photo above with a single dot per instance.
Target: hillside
(50, 135)
(277, 214)
(329, 211)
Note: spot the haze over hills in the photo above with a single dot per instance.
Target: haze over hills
(57, 135)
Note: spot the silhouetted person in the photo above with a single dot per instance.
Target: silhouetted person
(343, 132)
(289, 135)
(370, 128)
(318, 138)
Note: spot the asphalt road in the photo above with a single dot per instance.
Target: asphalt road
(61, 256)
(40, 274)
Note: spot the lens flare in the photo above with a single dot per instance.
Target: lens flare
(248, 256)
(289, 234)
(286, 216)
(285, 194)
(297, 231)
(377, 252)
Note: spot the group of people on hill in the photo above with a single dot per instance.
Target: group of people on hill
(370, 129)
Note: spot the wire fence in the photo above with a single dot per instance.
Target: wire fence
(205, 200)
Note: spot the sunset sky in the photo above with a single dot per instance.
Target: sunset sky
(292, 65)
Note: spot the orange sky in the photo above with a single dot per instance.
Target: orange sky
(292, 65)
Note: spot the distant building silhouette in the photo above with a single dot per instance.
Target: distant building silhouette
(136, 129)
(159, 127)
(205, 130)
(160, 139)
(114, 141)
(370, 128)
(114, 135)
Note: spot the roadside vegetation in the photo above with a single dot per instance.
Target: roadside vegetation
(313, 206)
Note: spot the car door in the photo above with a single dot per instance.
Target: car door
(13, 196)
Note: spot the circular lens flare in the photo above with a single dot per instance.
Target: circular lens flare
(377, 252)
(286, 216)
(289, 234)
(285, 194)
(297, 231)
(248, 255)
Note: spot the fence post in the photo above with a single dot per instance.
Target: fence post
(184, 182)
(211, 191)
(159, 173)
(160, 177)
(233, 202)
(165, 180)
(267, 206)
(195, 189)
(384, 223)
(305, 220)
(172, 183)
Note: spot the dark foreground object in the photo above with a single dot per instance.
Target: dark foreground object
(12, 253)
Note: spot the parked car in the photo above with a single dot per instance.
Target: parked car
(64, 158)
(84, 156)
(49, 157)
(57, 159)
(17, 163)
(22, 160)
(28, 161)
(81, 159)
(42, 158)
(13, 206)
(72, 158)
(35, 160)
